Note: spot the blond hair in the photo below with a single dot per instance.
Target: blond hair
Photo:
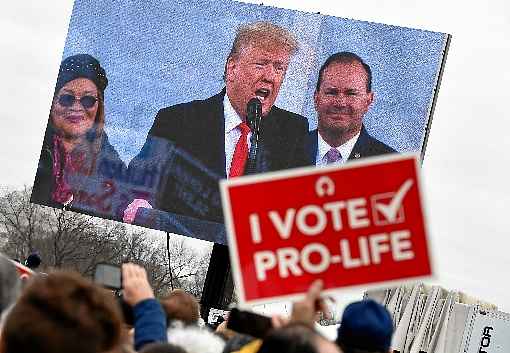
(263, 33)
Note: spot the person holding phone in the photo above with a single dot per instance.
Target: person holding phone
(149, 317)
(62, 312)
(296, 334)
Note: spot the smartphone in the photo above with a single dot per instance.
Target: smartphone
(249, 323)
(108, 276)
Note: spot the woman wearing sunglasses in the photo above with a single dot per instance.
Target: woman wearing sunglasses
(78, 167)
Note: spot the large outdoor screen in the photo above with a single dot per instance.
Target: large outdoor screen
(150, 108)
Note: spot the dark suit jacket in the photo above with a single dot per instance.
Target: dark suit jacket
(186, 146)
(366, 146)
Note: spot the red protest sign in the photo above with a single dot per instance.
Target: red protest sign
(360, 224)
(23, 271)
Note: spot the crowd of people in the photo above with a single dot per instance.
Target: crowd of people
(64, 312)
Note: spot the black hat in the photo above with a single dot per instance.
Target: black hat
(81, 65)
(365, 325)
(33, 261)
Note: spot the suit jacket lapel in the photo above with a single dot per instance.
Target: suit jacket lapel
(311, 146)
(269, 150)
(359, 148)
(211, 139)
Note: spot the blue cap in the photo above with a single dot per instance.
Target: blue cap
(366, 325)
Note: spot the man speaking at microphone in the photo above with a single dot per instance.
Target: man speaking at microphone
(215, 133)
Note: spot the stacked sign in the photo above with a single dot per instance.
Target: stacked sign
(435, 320)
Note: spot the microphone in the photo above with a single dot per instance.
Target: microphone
(253, 118)
(254, 114)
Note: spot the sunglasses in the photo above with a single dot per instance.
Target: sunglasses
(67, 100)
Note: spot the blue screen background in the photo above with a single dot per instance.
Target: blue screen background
(160, 53)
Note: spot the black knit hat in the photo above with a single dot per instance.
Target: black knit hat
(81, 65)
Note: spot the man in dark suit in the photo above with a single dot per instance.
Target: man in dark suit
(342, 97)
(191, 146)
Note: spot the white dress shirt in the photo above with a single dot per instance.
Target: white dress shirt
(323, 148)
(232, 132)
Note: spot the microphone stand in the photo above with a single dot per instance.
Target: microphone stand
(254, 110)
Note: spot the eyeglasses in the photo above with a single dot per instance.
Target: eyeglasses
(67, 100)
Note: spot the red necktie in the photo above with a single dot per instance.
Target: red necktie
(240, 153)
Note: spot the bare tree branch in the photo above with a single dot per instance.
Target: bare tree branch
(68, 240)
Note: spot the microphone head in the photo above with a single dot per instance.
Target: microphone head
(254, 113)
(254, 105)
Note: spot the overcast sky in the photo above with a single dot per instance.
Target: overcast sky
(465, 169)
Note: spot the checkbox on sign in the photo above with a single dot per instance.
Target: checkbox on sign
(387, 208)
(381, 217)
